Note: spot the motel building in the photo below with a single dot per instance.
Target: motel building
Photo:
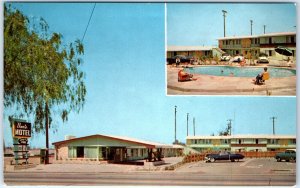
(253, 45)
(195, 51)
(112, 148)
(241, 143)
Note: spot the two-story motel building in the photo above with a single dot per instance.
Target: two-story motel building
(240, 143)
(250, 46)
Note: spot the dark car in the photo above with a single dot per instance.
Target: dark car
(223, 156)
(182, 58)
(288, 155)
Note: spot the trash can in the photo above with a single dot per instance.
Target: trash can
(42, 156)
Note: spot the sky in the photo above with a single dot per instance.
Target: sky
(124, 62)
(198, 24)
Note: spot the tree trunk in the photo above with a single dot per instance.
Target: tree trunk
(47, 136)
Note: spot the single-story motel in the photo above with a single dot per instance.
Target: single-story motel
(113, 148)
(121, 149)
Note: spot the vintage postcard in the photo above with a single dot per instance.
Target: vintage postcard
(99, 94)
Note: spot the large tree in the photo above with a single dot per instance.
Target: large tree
(42, 75)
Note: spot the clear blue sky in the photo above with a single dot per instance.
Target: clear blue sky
(125, 77)
(202, 23)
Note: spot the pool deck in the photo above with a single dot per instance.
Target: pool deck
(226, 85)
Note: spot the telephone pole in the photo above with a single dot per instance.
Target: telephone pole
(251, 22)
(194, 126)
(224, 15)
(273, 118)
(187, 124)
(229, 126)
(175, 125)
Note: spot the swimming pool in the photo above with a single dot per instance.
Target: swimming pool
(240, 71)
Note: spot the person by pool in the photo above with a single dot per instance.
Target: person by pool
(259, 77)
(184, 76)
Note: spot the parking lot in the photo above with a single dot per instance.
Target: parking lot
(256, 166)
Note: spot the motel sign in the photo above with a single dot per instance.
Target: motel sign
(21, 130)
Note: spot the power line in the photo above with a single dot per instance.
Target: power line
(88, 22)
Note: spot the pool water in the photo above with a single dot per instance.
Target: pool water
(240, 71)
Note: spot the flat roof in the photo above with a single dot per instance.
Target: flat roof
(258, 36)
(190, 48)
(244, 136)
(118, 138)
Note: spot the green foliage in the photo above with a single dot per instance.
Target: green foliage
(41, 75)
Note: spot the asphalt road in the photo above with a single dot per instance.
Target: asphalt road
(153, 178)
(249, 172)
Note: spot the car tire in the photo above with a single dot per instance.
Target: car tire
(292, 159)
(212, 159)
(278, 159)
(232, 160)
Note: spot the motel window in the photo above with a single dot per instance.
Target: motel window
(72, 152)
(129, 152)
(256, 141)
(270, 40)
(292, 39)
(273, 141)
(91, 152)
(293, 141)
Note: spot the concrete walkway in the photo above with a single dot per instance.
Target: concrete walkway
(225, 85)
(97, 168)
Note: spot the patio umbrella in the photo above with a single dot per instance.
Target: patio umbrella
(283, 51)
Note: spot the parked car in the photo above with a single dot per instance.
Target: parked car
(263, 58)
(238, 58)
(223, 156)
(172, 60)
(225, 57)
(289, 154)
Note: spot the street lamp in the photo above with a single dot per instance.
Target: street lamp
(224, 15)
(264, 29)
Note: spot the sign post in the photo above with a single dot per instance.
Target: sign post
(21, 131)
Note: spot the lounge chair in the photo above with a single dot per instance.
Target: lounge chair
(266, 76)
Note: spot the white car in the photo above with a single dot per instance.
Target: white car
(225, 57)
(263, 59)
(238, 58)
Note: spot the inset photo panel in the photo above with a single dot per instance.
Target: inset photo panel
(231, 49)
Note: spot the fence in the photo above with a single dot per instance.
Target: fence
(248, 154)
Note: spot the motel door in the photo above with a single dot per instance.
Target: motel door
(119, 154)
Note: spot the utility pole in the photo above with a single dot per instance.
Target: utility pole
(273, 118)
(264, 29)
(224, 15)
(229, 126)
(175, 125)
(251, 22)
(194, 126)
(187, 124)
